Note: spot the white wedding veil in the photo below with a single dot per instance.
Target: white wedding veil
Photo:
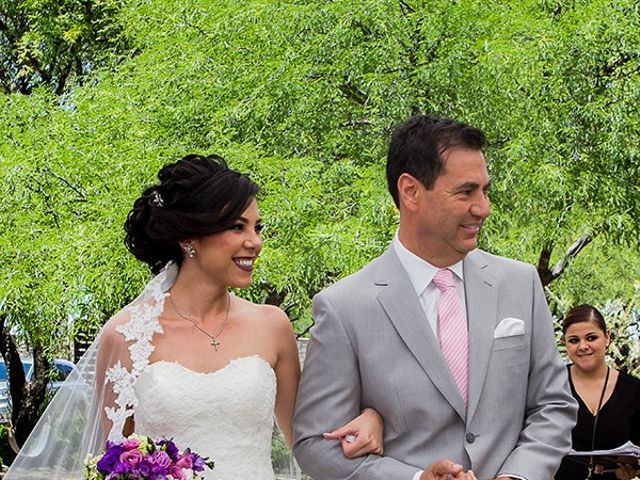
(98, 397)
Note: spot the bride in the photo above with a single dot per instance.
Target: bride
(187, 359)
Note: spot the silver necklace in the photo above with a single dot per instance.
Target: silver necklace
(215, 343)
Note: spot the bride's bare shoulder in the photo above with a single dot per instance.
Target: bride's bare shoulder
(269, 314)
(119, 319)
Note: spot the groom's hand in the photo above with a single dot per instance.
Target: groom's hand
(443, 469)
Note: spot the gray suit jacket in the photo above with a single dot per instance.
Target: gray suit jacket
(371, 346)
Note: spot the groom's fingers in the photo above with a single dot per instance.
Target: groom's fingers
(469, 475)
(462, 475)
(441, 470)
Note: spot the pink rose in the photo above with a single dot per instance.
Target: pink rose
(131, 444)
(185, 462)
(176, 473)
(132, 457)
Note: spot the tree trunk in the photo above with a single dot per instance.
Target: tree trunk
(27, 398)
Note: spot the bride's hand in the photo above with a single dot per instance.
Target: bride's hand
(361, 436)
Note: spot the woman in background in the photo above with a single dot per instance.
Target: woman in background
(608, 399)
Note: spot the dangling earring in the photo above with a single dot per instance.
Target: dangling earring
(190, 250)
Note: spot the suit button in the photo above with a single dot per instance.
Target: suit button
(471, 437)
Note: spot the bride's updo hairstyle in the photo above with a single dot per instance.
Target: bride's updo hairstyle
(197, 196)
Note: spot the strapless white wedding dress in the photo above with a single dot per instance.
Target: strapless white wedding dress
(226, 415)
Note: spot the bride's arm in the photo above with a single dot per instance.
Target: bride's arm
(366, 430)
(287, 370)
(112, 349)
(106, 398)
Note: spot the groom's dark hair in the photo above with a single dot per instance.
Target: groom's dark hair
(417, 146)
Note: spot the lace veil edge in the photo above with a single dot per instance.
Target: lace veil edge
(98, 396)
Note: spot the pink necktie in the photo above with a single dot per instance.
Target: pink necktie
(452, 329)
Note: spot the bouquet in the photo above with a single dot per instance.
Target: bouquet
(141, 458)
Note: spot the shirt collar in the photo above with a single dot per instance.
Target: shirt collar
(420, 271)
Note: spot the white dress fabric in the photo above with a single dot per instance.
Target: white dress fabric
(226, 415)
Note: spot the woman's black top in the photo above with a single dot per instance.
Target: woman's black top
(618, 422)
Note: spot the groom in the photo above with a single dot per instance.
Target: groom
(453, 346)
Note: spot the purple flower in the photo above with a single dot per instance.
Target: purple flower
(144, 467)
(110, 458)
(169, 447)
(120, 468)
(158, 460)
(155, 465)
(198, 462)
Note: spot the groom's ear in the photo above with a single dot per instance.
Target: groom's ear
(408, 192)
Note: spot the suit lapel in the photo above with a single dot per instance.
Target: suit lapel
(399, 301)
(481, 300)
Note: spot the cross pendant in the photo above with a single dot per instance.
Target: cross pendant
(215, 344)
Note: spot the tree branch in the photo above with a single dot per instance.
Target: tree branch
(35, 64)
(49, 207)
(352, 92)
(548, 275)
(304, 332)
(80, 193)
(610, 67)
(62, 79)
(405, 7)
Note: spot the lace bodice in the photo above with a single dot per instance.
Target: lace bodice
(226, 415)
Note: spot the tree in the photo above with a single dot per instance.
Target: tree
(51, 44)
(56, 43)
(303, 95)
(26, 397)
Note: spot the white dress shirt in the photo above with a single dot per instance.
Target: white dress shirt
(421, 274)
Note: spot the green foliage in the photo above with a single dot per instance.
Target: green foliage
(280, 453)
(303, 95)
(5, 450)
(49, 42)
(624, 323)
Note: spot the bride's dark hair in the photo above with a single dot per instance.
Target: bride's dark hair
(196, 196)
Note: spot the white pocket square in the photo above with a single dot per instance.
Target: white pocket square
(509, 327)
